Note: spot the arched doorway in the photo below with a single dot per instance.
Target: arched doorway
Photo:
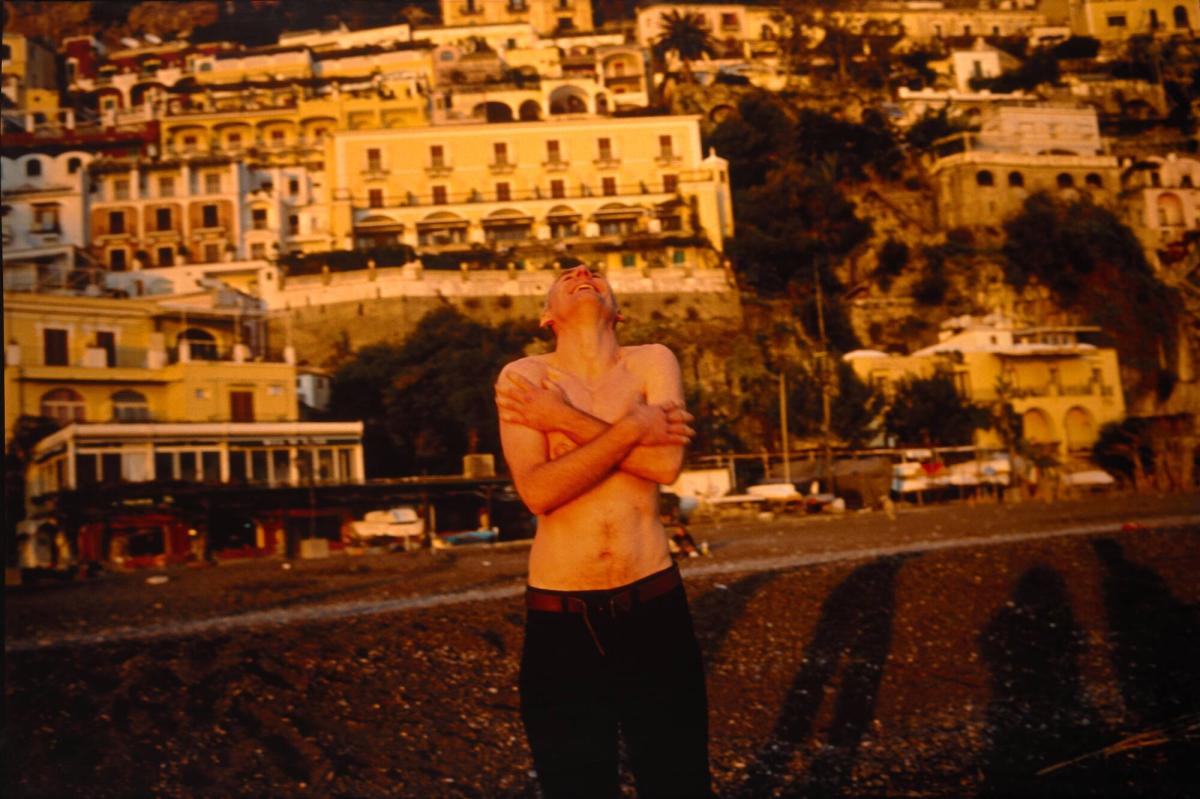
(493, 112)
(530, 111)
(1037, 426)
(568, 100)
(1080, 429)
(1170, 210)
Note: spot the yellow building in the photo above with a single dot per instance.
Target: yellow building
(1115, 20)
(546, 16)
(96, 359)
(534, 189)
(30, 74)
(1063, 388)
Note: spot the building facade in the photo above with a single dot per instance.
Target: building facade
(1063, 388)
(981, 179)
(547, 17)
(541, 187)
(103, 359)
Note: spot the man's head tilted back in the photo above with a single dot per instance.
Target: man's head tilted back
(579, 293)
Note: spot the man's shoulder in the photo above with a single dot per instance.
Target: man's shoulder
(531, 366)
(648, 354)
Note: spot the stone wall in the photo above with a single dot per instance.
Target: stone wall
(328, 317)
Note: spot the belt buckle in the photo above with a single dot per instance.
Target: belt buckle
(622, 602)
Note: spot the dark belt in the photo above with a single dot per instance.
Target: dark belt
(622, 600)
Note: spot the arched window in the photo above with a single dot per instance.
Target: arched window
(33, 168)
(73, 165)
(1170, 210)
(1181, 17)
(984, 178)
(202, 346)
(1065, 181)
(63, 405)
(1186, 181)
(130, 406)
(1016, 179)
(1094, 179)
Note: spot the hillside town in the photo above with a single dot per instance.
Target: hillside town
(204, 231)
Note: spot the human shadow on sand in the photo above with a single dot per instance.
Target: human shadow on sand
(853, 634)
(1038, 715)
(1155, 645)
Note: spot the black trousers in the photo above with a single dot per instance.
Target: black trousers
(586, 676)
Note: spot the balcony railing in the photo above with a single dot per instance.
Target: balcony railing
(411, 200)
(504, 167)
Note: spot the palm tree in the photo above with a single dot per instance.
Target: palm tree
(685, 35)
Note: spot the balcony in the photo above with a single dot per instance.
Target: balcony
(504, 167)
(668, 159)
(375, 173)
(606, 161)
(438, 170)
(556, 165)
(471, 10)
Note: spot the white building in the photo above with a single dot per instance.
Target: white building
(43, 212)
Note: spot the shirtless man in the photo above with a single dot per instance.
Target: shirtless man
(589, 432)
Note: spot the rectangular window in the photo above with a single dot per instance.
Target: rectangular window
(554, 151)
(45, 218)
(609, 187)
(162, 218)
(258, 466)
(107, 341)
(281, 466)
(277, 138)
(670, 183)
(628, 259)
(241, 406)
(166, 187)
(166, 256)
(374, 160)
(503, 192)
(116, 221)
(293, 186)
(235, 141)
(212, 183)
(293, 225)
(189, 144)
(375, 198)
(212, 253)
(258, 251)
(437, 155)
(729, 22)
(1116, 20)
(54, 346)
(439, 195)
(85, 469)
(121, 189)
(164, 466)
(604, 146)
(117, 260)
(558, 189)
(208, 216)
(666, 147)
(500, 153)
(258, 218)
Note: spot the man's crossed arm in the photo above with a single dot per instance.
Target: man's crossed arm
(648, 442)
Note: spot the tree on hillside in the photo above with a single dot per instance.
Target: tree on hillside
(797, 221)
(685, 35)
(929, 411)
(427, 402)
(1095, 267)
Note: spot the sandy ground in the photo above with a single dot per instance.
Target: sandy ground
(949, 651)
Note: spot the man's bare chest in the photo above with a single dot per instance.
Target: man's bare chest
(608, 398)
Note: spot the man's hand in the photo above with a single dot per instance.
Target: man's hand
(538, 407)
(665, 424)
